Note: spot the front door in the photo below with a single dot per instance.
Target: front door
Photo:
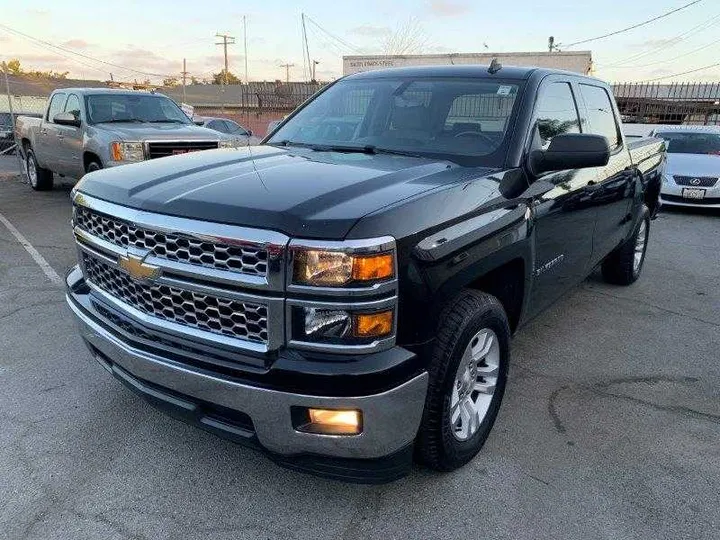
(564, 217)
(70, 142)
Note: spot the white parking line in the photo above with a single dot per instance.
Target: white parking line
(34, 253)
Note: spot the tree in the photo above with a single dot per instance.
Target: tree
(13, 67)
(409, 38)
(219, 78)
(171, 81)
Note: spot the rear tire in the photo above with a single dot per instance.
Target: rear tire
(624, 265)
(40, 179)
(468, 372)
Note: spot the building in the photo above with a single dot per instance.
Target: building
(577, 61)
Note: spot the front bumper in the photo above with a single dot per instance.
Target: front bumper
(671, 194)
(261, 416)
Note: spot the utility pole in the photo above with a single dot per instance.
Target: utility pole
(184, 74)
(306, 51)
(227, 40)
(287, 71)
(314, 63)
(247, 81)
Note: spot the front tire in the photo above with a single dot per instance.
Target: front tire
(93, 166)
(624, 265)
(40, 179)
(468, 373)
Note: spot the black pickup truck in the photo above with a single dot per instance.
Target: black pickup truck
(343, 295)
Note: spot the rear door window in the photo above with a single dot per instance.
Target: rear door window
(601, 117)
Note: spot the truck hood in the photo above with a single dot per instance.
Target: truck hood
(169, 131)
(693, 165)
(301, 193)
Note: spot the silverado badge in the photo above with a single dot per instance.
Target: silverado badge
(138, 269)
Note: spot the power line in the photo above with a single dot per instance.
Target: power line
(635, 25)
(671, 59)
(94, 59)
(339, 40)
(669, 43)
(683, 73)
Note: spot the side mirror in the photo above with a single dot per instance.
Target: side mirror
(198, 122)
(571, 151)
(249, 132)
(66, 119)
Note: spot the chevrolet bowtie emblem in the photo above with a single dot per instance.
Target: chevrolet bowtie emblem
(138, 269)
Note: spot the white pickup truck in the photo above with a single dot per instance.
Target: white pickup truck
(86, 129)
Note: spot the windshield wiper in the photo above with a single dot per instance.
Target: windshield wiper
(367, 149)
(166, 121)
(120, 121)
(397, 152)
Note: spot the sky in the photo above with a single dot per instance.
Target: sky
(153, 36)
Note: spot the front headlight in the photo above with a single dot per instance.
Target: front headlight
(325, 268)
(232, 143)
(127, 151)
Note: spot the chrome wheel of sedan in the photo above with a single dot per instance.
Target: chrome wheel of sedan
(640, 246)
(474, 386)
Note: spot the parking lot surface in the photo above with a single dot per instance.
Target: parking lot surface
(610, 426)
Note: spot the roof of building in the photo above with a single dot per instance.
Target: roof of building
(462, 70)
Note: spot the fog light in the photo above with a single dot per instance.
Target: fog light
(333, 421)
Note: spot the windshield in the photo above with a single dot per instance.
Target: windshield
(452, 118)
(133, 108)
(691, 143)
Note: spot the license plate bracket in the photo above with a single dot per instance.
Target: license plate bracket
(693, 193)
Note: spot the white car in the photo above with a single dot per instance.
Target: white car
(692, 175)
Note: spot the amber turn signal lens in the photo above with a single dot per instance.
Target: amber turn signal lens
(373, 324)
(373, 267)
(335, 422)
(116, 151)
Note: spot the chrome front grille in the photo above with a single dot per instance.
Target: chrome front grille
(240, 257)
(229, 317)
(696, 181)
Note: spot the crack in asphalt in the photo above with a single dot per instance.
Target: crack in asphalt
(650, 304)
(601, 389)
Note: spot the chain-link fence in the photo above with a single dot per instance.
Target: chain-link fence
(17, 100)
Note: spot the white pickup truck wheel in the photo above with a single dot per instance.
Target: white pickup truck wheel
(40, 179)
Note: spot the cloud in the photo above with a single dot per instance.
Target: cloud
(76, 44)
(370, 31)
(448, 8)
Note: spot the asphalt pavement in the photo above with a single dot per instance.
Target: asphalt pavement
(610, 427)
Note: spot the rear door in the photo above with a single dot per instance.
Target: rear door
(70, 141)
(46, 143)
(564, 218)
(614, 184)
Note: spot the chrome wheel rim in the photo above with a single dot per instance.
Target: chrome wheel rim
(640, 246)
(31, 171)
(474, 385)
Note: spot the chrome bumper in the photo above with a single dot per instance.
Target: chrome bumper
(390, 419)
